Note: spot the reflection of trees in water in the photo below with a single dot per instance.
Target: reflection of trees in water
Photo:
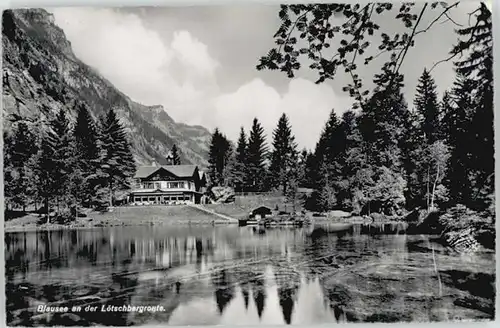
(287, 300)
(259, 293)
(224, 291)
(245, 292)
(125, 256)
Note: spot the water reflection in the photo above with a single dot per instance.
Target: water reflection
(234, 275)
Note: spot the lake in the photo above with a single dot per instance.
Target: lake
(195, 275)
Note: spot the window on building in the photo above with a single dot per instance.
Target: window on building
(157, 185)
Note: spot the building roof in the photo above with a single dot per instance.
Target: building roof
(180, 171)
(262, 209)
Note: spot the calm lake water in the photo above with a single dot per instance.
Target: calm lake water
(240, 275)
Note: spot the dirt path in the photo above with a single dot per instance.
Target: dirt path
(222, 216)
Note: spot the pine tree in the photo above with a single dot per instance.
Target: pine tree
(382, 125)
(477, 40)
(326, 152)
(284, 155)
(64, 152)
(85, 134)
(328, 147)
(118, 162)
(460, 141)
(348, 159)
(257, 154)
(445, 110)
(85, 177)
(413, 146)
(218, 158)
(239, 170)
(20, 148)
(46, 171)
(176, 156)
(427, 107)
(308, 177)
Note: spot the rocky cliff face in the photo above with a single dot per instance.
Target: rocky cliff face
(41, 75)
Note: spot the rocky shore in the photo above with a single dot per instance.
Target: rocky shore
(461, 228)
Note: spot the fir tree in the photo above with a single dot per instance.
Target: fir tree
(460, 141)
(46, 171)
(445, 110)
(87, 155)
(326, 151)
(284, 155)
(327, 147)
(477, 40)
(19, 150)
(382, 125)
(239, 172)
(349, 158)
(256, 156)
(118, 162)
(219, 158)
(427, 107)
(176, 156)
(308, 177)
(64, 151)
(85, 134)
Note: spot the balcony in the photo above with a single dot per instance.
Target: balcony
(166, 185)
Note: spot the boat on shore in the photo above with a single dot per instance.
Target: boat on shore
(276, 221)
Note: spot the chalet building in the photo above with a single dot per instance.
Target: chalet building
(168, 185)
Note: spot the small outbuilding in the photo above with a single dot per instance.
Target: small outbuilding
(261, 212)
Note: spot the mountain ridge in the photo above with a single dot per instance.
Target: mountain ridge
(41, 74)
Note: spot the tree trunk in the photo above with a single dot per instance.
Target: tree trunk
(434, 187)
(428, 181)
(48, 209)
(76, 211)
(111, 192)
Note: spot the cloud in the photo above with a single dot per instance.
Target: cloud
(193, 53)
(175, 69)
(137, 60)
(306, 104)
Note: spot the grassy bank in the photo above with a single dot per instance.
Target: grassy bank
(244, 204)
(122, 216)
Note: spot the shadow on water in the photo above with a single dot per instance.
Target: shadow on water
(324, 274)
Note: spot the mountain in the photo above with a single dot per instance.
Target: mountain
(41, 74)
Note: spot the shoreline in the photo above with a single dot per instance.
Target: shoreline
(90, 223)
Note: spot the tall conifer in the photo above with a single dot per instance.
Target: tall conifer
(284, 155)
(118, 162)
(257, 155)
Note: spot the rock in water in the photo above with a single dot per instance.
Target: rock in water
(462, 241)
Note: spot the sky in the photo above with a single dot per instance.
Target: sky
(198, 62)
